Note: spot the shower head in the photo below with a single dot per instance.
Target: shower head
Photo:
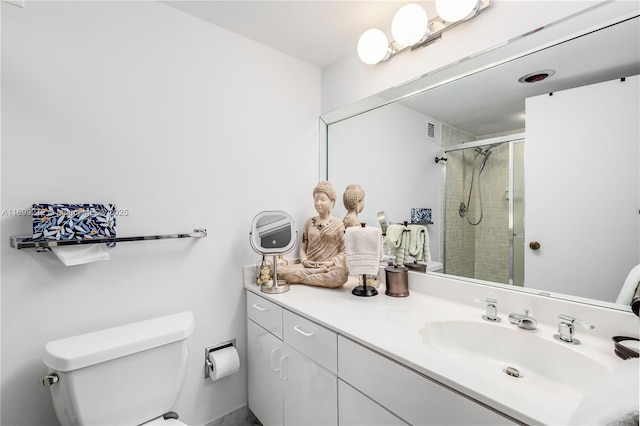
(487, 153)
(484, 151)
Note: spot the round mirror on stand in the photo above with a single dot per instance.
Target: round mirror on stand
(273, 233)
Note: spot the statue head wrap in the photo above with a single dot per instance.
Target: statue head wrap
(352, 196)
(326, 187)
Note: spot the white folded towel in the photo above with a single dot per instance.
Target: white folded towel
(77, 255)
(363, 249)
(629, 287)
(611, 401)
(418, 245)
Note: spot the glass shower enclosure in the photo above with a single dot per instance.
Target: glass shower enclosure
(484, 209)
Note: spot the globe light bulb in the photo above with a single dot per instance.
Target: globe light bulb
(409, 24)
(373, 46)
(455, 10)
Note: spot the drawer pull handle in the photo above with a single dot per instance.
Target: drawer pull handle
(274, 368)
(260, 308)
(304, 333)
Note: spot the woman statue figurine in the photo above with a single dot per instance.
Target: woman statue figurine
(322, 250)
(353, 199)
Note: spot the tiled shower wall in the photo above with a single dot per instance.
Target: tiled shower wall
(458, 239)
(480, 251)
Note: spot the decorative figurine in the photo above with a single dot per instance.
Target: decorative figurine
(353, 199)
(322, 249)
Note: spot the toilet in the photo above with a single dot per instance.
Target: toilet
(435, 266)
(127, 375)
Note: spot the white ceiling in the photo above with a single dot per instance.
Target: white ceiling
(321, 32)
(317, 32)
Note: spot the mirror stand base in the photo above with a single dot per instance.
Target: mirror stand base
(281, 287)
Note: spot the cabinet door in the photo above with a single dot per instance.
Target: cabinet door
(265, 386)
(310, 391)
(355, 409)
(409, 395)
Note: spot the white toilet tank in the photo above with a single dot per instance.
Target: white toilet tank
(125, 375)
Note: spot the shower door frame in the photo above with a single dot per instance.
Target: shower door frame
(511, 140)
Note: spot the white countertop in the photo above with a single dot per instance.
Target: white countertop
(395, 327)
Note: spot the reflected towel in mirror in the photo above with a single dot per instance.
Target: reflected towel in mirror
(418, 245)
(396, 241)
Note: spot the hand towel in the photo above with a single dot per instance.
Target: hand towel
(363, 249)
(77, 255)
(612, 400)
(418, 245)
(629, 287)
(394, 235)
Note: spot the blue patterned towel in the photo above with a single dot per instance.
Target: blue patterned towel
(73, 221)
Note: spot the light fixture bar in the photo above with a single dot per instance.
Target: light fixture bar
(437, 26)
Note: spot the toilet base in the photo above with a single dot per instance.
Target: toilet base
(162, 421)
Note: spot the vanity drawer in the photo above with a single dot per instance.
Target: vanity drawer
(265, 313)
(409, 395)
(313, 340)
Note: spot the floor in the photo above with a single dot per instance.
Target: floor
(240, 417)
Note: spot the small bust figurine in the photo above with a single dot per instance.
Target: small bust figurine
(322, 249)
(353, 199)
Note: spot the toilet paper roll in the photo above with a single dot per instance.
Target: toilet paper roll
(224, 362)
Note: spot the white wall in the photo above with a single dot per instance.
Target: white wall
(363, 150)
(349, 80)
(178, 121)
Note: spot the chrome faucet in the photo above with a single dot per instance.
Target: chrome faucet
(523, 321)
(492, 309)
(566, 329)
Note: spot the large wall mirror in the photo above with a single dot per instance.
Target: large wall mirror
(546, 201)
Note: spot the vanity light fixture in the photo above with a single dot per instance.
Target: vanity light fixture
(411, 28)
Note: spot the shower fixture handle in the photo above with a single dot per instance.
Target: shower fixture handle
(534, 245)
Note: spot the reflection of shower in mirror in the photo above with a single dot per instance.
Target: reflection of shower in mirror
(484, 154)
(483, 227)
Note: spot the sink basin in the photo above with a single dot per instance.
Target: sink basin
(492, 349)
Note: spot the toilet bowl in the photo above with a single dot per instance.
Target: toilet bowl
(138, 369)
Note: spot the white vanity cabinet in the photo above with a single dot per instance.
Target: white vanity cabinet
(357, 409)
(292, 367)
(302, 373)
(409, 395)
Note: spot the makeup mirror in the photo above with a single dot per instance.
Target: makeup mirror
(273, 233)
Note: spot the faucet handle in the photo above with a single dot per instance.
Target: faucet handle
(492, 309)
(566, 329)
(575, 321)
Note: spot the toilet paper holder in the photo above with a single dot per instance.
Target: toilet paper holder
(208, 349)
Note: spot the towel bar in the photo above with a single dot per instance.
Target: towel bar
(27, 242)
